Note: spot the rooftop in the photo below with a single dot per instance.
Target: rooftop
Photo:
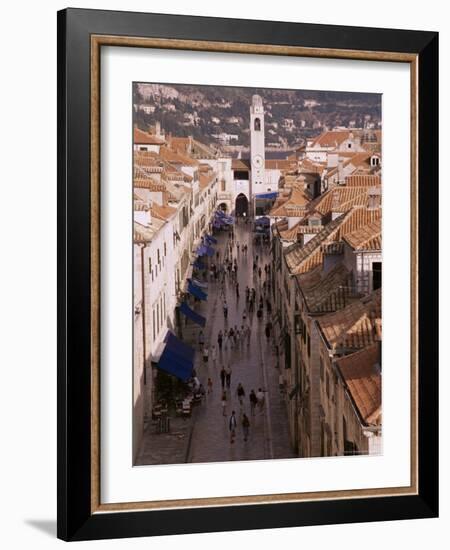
(300, 258)
(361, 374)
(355, 326)
(326, 292)
(368, 237)
(145, 138)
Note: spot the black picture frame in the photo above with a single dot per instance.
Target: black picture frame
(76, 521)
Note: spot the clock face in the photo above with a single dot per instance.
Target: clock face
(258, 161)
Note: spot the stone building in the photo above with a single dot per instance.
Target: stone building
(175, 195)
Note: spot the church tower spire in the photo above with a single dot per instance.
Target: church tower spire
(257, 148)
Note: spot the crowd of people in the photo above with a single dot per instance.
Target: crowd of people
(220, 348)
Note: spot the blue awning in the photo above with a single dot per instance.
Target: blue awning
(172, 364)
(199, 264)
(196, 292)
(210, 251)
(178, 346)
(201, 250)
(193, 315)
(272, 195)
(198, 283)
(177, 358)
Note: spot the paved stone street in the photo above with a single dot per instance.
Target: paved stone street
(205, 437)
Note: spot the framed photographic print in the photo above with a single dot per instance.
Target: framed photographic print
(247, 274)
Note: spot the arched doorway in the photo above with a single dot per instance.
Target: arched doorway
(241, 205)
(223, 207)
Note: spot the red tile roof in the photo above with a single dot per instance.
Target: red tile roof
(326, 292)
(367, 237)
(365, 180)
(331, 138)
(162, 212)
(145, 138)
(354, 327)
(361, 374)
(301, 259)
(148, 183)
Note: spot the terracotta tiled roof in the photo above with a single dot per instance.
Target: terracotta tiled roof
(367, 237)
(292, 233)
(331, 138)
(144, 138)
(311, 167)
(205, 180)
(148, 183)
(340, 199)
(148, 161)
(366, 180)
(294, 206)
(300, 259)
(326, 292)
(355, 326)
(278, 164)
(162, 212)
(240, 164)
(177, 157)
(362, 376)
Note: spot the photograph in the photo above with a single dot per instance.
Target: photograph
(257, 273)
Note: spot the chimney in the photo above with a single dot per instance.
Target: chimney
(341, 179)
(335, 204)
(374, 198)
(332, 160)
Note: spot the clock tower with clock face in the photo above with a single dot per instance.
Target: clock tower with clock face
(257, 148)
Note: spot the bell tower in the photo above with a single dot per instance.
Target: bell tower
(257, 149)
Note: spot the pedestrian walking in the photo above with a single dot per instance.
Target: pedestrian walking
(235, 335)
(213, 355)
(205, 354)
(268, 329)
(225, 309)
(244, 316)
(201, 339)
(228, 372)
(237, 291)
(210, 385)
(231, 337)
(240, 392)
(220, 340)
(259, 272)
(248, 333)
(232, 423)
(260, 397)
(238, 337)
(224, 403)
(245, 426)
(223, 376)
(253, 402)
